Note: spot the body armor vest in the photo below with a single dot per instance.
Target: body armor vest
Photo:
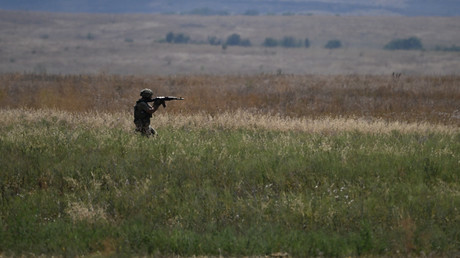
(139, 113)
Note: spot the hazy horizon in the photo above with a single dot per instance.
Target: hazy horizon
(248, 7)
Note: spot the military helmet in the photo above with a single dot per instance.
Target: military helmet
(146, 93)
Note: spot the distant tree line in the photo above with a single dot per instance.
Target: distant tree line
(414, 43)
(232, 40)
(236, 40)
(411, 43)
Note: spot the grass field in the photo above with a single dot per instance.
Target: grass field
(245, 166)
(70, 185)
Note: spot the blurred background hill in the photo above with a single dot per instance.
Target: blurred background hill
(250, 7)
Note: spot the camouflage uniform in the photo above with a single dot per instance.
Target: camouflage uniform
(142, 115)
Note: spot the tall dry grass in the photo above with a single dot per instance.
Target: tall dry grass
(433, 99)
(238, 119)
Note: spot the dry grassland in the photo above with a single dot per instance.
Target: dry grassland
(228, 121)
(128, 44)
(413, 99)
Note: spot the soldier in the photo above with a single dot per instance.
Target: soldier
(143, 112)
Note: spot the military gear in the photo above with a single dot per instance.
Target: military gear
(142, 117)
(145, 128)
(143, 111)
(161, 100)
(140, 110)
(146, 93)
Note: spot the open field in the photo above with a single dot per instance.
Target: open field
(304, 165)
(84, 183)
(129, 44)
(306, 152)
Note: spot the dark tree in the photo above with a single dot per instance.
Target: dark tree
(233, 40)
(412, 43)
(170, 37)
(289, 42)
(270, 42)
(331, 44)
(307, 43)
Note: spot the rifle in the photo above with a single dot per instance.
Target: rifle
(161, 100)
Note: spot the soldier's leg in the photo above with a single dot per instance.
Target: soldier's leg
(153, 132)
(143, 128)
(146, 130)
(138, 127)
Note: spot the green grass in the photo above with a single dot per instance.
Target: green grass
(70, 189)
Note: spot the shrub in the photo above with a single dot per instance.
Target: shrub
(453, 48)
(90, 36)
(270, 42)
(236, 40)
(331, 44)
(177, 38)
(181, 38)
(287, 41)
(290, 42)
(307, 43)
(170, 37)
(412, 43)
(233, 40)
(214, 41)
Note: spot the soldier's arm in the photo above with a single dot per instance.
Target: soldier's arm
(149, 109)
(154, 108)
